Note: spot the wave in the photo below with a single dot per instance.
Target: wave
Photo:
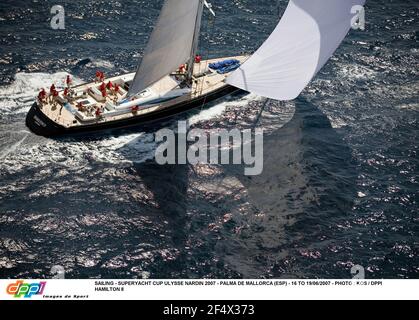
(218, 109)
(20, 94)
(98, 63)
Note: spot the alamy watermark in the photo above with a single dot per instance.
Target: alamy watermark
(358, 21)
(58, 20)
(213, 147)
(57, 272)
(358, 272)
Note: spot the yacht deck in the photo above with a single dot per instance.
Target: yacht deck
(65, 111)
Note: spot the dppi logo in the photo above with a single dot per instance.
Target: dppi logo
(20, 289)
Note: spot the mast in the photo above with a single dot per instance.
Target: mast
(195, 42)
(170, 43)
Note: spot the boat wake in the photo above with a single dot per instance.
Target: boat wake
(21, 149)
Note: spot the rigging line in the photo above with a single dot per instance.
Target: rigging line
(200, 86)
(197, 91)
(13, 148)
(262, 109)
(259, 116)
(210, 22)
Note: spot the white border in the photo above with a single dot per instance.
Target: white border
(220, 290)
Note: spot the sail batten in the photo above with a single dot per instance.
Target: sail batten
(170, 44)
(306, 37)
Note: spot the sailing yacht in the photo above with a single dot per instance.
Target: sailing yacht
(171, 78)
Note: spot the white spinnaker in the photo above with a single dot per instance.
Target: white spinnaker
(170, 44)
(308, 34)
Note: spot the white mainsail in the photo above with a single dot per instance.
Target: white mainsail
(308, 34)
(170, 44)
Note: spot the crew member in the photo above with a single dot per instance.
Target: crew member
(102, 86)
(104, 93)
(98, 76)
(135, 109)
(182, 69)
(68, 81)
(116, 89)
(80, 106)
(109, 86)
(115, 93)
(41, 96)
(55, 97)
(98, 112)
(61, 109)
(198, 58)
(51, 92)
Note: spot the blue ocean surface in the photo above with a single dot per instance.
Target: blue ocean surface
(340, 180)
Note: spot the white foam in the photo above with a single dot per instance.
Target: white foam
(409, 106)
(102, 64)
(220, 108)
(70, 153)
(19, 153)
(337, 123)
(357, 72)
(78, 155)
(18, 96)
